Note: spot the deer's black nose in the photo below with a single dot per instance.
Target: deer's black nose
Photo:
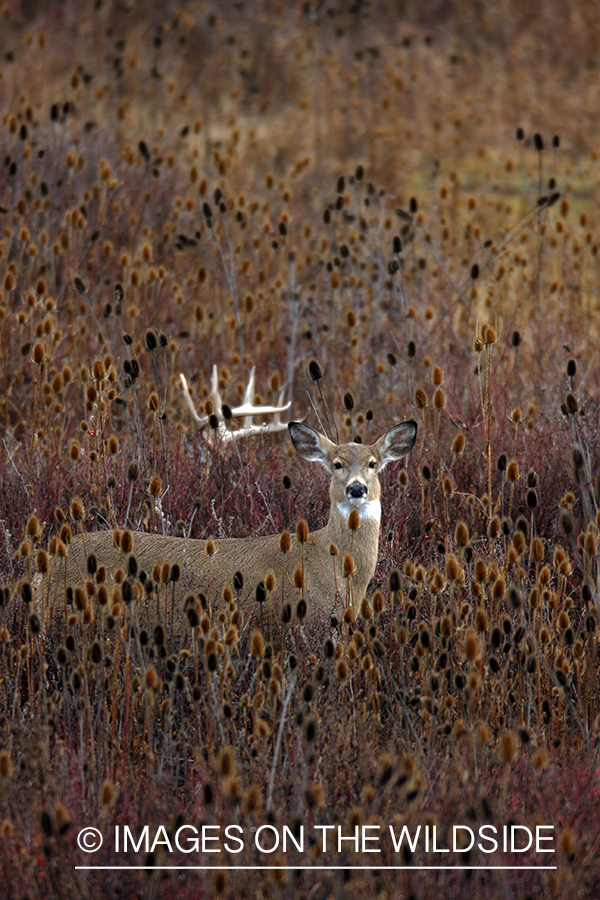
(356, 490)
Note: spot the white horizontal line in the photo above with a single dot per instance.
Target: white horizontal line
(323, 868)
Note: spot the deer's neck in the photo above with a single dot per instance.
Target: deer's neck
(363, 543)
(369, 511)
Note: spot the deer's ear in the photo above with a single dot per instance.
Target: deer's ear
(397, 442)
(310, 444)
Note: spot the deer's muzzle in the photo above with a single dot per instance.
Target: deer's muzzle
(356, 490)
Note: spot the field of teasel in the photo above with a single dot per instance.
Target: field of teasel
(391, 214)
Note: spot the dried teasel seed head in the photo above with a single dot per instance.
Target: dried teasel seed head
(348, 566)
(98, 369)
(461, 534)
(126, 543)
(421, 400)
(341, 670)
(494, 527)
(193, 617)
(458, 444)
(366, 610)
(107, 793)
(531, 498)
(394, 581)
(33, 529)
(481, 620)
(302, 531)
(453, 568)
(499, 590)
(571, 404)
(238, 581)
(537, 549)
(489, 335)
(353, 520)
(439, 399)
(285, 542)
(40, 352)
(590, 543)
(155, 486)
(133, 472)
(257, 643)
(512, 471)
(566, 523)
(480, 569)
(151, 678)
(77, 509)
(348, 617)
(286, 613)
(518, 542)
(270, 581)
(315, 370)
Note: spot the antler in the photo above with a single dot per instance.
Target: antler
(246, 411)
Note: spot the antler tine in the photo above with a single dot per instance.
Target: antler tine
(249, 394)
(215, 394)
(248, 399)
(281, 408)
(200, 420)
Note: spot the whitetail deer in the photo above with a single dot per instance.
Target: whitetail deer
(354, 470)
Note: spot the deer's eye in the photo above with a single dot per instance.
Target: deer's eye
(372, 464)
(337, 465)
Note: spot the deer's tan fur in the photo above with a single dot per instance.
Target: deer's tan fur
(354, 484)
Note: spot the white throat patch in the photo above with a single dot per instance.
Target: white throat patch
(367, 509)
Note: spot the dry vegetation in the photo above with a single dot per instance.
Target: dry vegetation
(262, 184)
